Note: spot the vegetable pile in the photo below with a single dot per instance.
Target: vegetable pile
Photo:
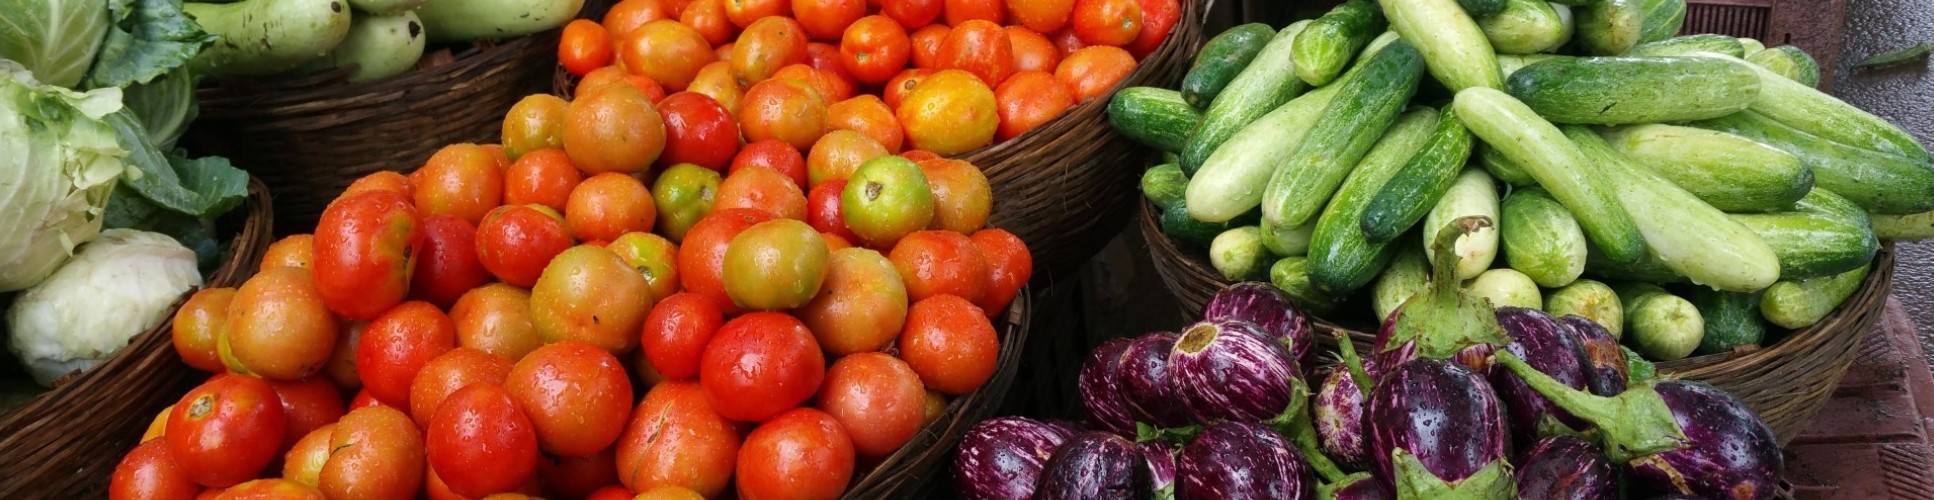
(1456, 402)
(946, 78)
(557, 316)
(1693, 195)
(363, 40)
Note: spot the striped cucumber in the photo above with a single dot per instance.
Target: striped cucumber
(1323, 50)
(1453, 46)
(1590, 300)
(1749, 46)
(1663, 19)
(1882, 183)
(1729, 172)
(1541, 239)
(1363, 108)
(1790, 62)
(1610, 27)
(1341, 257)
(1689, 45)
(1823, 235)
(1231, 182)
(1483, 8)
(1407, 275)
(1221, 59)
(1525, 27)
(1267, 82)
(1239, 254)
(1809, 110)
(1291, 275)
(1154, 117)
(1424, 179)
(1660, 325)
(1472, 194)
(1293, 242)
(1800, 304)
(1502, 168)
(1164, 185)
(1732, 319)
(1505, 287)
(1510, 64)
(1621, 90)
(1910, 227)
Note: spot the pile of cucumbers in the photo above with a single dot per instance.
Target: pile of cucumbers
(1693, 194)
(373, 39)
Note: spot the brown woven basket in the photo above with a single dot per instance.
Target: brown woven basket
(1785, 383)
(931, 452)
(66, 442)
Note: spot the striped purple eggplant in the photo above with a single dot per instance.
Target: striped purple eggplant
(1095, 466)
(1241, 460)
(1550, 347)
(1228, 370)
(1566, 468)
(1338, 416)
(1442, 322)
(1436, 428)
(1605, 363)
(1161, 466)
(1001, 458)
(1143, 381)
(1100, 388)
(1359, 486)
(1271, 310)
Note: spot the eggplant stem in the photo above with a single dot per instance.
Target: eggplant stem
(1305, 438)
(1354, 363)
(1443, 262)
(1579, 403)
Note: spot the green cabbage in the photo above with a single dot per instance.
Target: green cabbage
(55, 39)
(62, 163)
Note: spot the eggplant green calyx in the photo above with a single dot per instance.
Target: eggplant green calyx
(1634, 424)
(1179, 435)
(1295, 424)
(1327, 490)
(1443, 320)
(1354, 363)
(1414, 481)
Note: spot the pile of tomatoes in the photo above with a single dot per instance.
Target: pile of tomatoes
(618, 300)
(947, 76)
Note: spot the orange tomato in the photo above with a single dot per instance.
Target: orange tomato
(830, 87)
(277, 326)
(912, 14)
(496, 319)
(960, 11)
(860, 307)
(763, 189)
(535, 122)
(789, 111)
(745, 13)
(937, 262)
(708, 18)
(1107, 22)
(1029, 99)
(615, 130)
(1032, 51)
(950, 113)
(802, 454)
(375, 452)
(838, 154)
(1044, 16)
(925, 43)
(981, 48)
(396, 346)
(675, 438)
(576, 393)
(149, 472)
(584, 46)
(950, 343)
(874, 49)
(607, 206)
(827, 19)
(826, 58)
(307, 405)
(609, 76)
(902, 84)
(767, 45)
(962, 198)
(378, 181)
(460, 180)
(701, 257)
(716, 81)
(543, 177)
(590, 294)
(877, 398)
(199, 324)
(628, 15)
(669, 52)
(725, 51)
(1009, 267)
(450, 371)
(919, 155)
(1158, 18)
(869, 116)
(677, 7)
(1094, 71)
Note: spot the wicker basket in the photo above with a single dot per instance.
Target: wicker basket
(931, 452)
(66, 442)
(1785, 383)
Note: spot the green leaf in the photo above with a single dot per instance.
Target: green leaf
(165, 105)
(149, 38)
(54, 39)
(1890, 58)
(127, 209)
(203, 188)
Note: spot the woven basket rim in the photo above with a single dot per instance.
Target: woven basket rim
(253, 93)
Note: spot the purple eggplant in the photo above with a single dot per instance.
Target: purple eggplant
(1001, 458)
(1161, 466)
(1143, 381)
(1436, 428)
(1338, 418)
(1674, 436)
(1359, 486)
(1101, 392)
(1442, 322)
(1095, 466)
(1242, 460)
(1605, 364)
(1228, 370)
(1271, 310)
(1566, 468)
(1551, 348)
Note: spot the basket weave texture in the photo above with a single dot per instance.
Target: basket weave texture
(65, 443)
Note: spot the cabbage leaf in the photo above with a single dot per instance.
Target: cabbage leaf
(206, 187)
(61, 164)
(57, 40)
(148, 38)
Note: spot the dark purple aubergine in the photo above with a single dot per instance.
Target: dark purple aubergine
(1001, 458)
(1359, 486)
(1338, 416)
(1442, 322)
(1143, 381)
(1271, 310)
(1161, 466)
(1674, 436)
(1606, 368)
(1242, 460)
(1566, 468)
(1101, 391)
(1437, 427)
(1228, 370)
(1095, 466)
(1550, 347)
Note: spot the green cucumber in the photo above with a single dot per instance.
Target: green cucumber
(1164, 185)
(1177, 223)
(1590, 300)
(1732, 319)
(1543, 152)
(1341, 257)
(1323, 50)
(1660, 325)
(1689, 45)
(1154, 117)
(1291, 275)
(1483, 8)
(1650, 269)
(1363, 108)
(1882, 183)
(265, 37)
(1610, 27)
(1472, 193)
(1573, 3)
(1524, 27)
(1267, 82)
(1692, 238)
(1790, 62)
(1502, 168)
(1749, 46)
(1453, 46)
(1509, 64)
(1229, 183)
(1824, 235)
(1506, 288)
(1407, 275)
(1621, 90)
(1541, 239)
(1239, 255)
(1663, 19)
(1800, 304)
(1293, 242)
(1729, 172)
(1410, 194)
(1809, 110)
(1221, 59)
(1911, 227)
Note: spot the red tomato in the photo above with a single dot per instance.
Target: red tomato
(761, 189)
(826, 19)
(950, 343)
(701, 257)
(308, 405)
(961, 11)
(447, 265)
(877, 398)
(480, 442)
(677, 331)
(1107, 22)
(912, 14)
(577, 394)
(225, 431)
(1044, 16)
(697, 131)
(708, 17)
(902, 85)
(918, 156)
(874, 49)
(1009, 267)
(981, 48)
(375, 453)
(823, 212)
(773, 154)
(365, 249)
(611, 493)
(760, 365)
(577, 477)
(826, 58)
(150, 473)
(803, 454)
(449, 372)
(543, 177)
(1067, 41)
(396, 345)
(362, 400)
(1032, 51)
(516, 242)
(676, 439)
(1158, 18)
(465, 180)
(271, 489)
(925, 44)
(583, 47)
